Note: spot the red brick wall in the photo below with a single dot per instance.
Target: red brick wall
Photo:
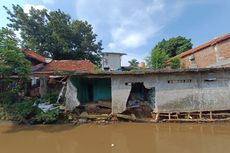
(224, 48)
(208, 56)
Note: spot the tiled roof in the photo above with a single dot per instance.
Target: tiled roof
(81, 66)
(34, 55)
(205, 45)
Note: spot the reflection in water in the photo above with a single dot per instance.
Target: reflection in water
(116, 138)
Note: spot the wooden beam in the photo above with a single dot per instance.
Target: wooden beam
(211, 115)
(169, 115)
(177, 115)
(200, 115)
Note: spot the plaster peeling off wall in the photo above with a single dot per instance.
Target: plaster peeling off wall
(121, 91)
(71, 96)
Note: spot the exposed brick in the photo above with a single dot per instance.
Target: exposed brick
(206, 54)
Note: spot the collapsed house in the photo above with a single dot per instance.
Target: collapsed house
(144, 93)
(163, 91)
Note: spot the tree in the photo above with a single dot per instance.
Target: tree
(55, 33)
(12, 62)
(133, 64)
(175, 63)
(157, 59)
(174, 46)
(166, 49)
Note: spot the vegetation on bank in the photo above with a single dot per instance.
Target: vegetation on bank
(50, 33)
(14, 73)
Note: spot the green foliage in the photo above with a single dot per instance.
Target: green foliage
(167, 49)
(50, 97)
(175, 63)
(21, 110)
(26, 110)
(97, 68)
(47, 117)
(12, 60)
(133, 64)
(157, 59)
(174, 46)
(55, 33)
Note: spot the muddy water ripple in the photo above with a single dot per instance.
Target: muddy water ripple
(116, 138)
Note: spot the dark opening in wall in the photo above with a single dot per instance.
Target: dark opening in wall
(179, 81)
(141, 100)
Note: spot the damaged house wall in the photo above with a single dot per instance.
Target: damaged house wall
(71, 96)
(92, 89)
(121, 88)
(202, 91)
(177, 92)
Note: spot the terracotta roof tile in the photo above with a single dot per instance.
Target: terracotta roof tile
(34, 55)
(69, 66)
(205, 45)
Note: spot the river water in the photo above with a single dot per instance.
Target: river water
(116, 138)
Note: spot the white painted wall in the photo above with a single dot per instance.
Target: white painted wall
(197, 95)
(113, 61)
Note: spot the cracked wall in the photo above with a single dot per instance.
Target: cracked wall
(177, 92)
(121, 91)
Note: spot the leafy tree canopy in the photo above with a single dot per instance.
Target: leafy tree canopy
(133, 64)
(56, 34)
(157, 59)
(166, 49)
(12, 60)
(174, 46)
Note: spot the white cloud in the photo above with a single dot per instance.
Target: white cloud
(128, 24)
(27, 7)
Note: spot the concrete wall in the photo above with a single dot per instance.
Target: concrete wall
(121, 91)
(113, 61)
(198, 91)
(213, 56)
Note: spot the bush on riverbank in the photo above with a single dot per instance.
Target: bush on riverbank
(26, 111)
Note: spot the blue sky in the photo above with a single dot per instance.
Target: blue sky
(135, 26)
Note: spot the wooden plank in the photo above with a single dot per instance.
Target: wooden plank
(195, 120)
(211, 115)
(200, 115)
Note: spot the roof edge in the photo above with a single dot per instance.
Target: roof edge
(205, 45)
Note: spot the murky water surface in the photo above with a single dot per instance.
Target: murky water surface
(116, 138)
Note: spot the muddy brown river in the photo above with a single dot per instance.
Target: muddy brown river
(116, 138)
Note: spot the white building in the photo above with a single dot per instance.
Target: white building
(111, 60)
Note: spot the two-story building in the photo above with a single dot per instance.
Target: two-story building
(214, 53)
(111, 60)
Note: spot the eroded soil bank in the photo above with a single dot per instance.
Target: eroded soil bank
(116, 138)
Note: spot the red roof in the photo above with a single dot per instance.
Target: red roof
(205, 45)
(68, 66)
(34, 55)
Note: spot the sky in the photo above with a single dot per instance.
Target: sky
(136, 26)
